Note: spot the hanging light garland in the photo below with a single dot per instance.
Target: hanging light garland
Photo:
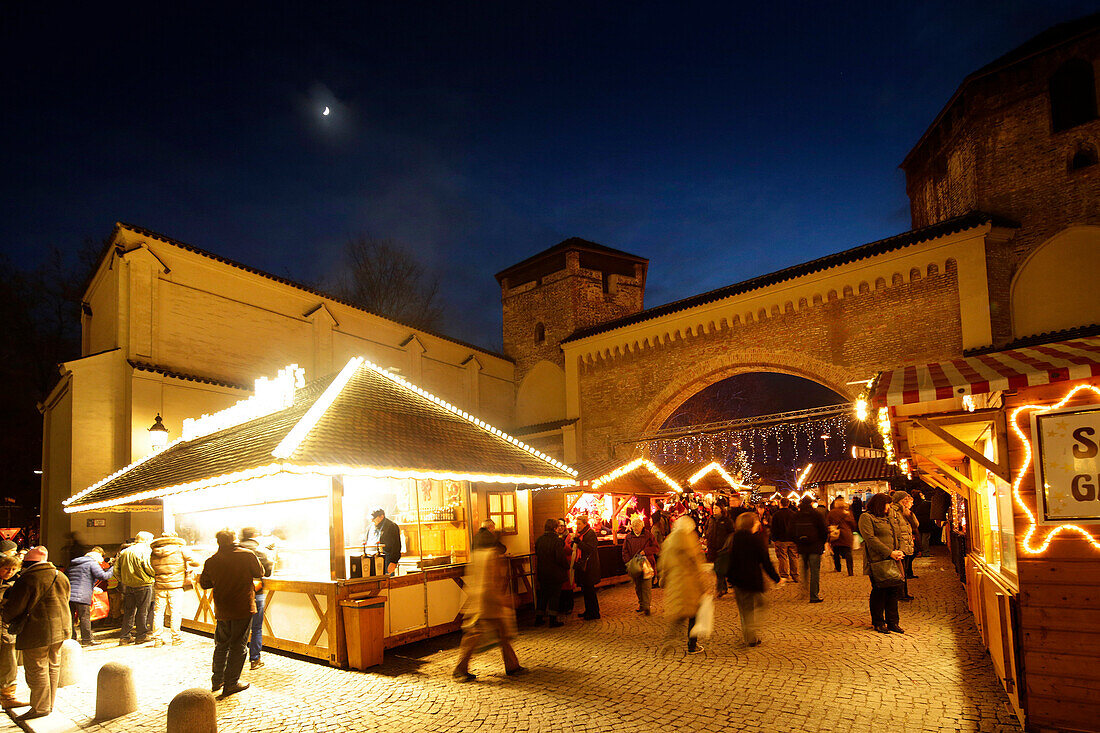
(758, 444)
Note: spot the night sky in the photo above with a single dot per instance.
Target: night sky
(721, 142)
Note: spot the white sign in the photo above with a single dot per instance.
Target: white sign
(1067, 468)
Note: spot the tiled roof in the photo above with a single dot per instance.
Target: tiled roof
(144, 367)
(376, 423)
(543, 427)
(951, 226)
(570, 244)
(849, 470)
(639, 479)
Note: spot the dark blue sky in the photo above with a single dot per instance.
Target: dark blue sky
(721, 142)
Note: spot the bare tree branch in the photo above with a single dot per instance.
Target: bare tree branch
(384, 278)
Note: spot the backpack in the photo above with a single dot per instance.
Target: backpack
(803, 530)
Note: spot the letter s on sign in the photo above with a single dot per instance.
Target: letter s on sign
(1090, 449)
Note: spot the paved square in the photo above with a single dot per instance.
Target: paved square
(820, 668)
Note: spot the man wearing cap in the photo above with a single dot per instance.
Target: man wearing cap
(39, 601)
(231, 572)
(383, 537)
(136, 577)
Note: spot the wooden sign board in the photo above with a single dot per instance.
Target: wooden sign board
(1067, 464)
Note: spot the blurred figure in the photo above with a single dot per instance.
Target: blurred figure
(9, 566)
(249, 541)
(488, 608)
(586, 568)
(808, 531)
(551, 570)
(786, 552)
(136, 578)
(565, 600)
(748, 557)
(487, 536)
(38, 601)
(718, 533)
(170, 560)
(684, 580)
(638, 545)
(842, 527)
(83, 573)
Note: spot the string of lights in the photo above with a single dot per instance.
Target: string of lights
(766, 444)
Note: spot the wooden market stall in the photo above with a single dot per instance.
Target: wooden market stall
(1013, 436)
(846, 476)
(307, 468)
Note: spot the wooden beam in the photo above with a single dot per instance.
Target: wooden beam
(338, 568)
(950, 472)
(999, 470)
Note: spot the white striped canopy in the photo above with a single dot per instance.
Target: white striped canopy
(1062, 361)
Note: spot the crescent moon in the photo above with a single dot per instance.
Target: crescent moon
(326, 112)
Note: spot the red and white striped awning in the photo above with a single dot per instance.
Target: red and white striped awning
(1062, 361)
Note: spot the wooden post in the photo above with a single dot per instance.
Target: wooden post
(336, 530)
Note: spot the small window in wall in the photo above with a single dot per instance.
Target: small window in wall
(1084, 157)
(502, 510)
(1072, 95)
(540, 333)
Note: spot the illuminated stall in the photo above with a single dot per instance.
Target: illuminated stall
(1012, 435)
(306, 464)
(846, 477)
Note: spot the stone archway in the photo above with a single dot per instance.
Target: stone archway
(704, 374)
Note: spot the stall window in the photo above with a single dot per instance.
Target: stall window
(502, 510)
(995, 520)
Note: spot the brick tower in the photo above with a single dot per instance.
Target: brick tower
(573, 285)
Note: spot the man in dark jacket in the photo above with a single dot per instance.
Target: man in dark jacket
(718, 531)
(586, 571)
(41, 594)
(230, 572)
(785, 549)
(83, 573)
(551, 570)
(748, 556)
(808, 532)
(256, 635)
(384, 538)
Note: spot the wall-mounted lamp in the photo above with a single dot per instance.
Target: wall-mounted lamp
(158, 435)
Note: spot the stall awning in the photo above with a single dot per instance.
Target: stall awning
(633, 476)
(1032, 366)
(848, 470)
(364, 421)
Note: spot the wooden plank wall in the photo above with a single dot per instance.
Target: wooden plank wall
(1059, 602)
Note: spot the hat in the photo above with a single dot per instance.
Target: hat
(7, 546)
(897, 496)
(36, 554)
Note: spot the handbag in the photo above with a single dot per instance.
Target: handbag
(101, 607)
(834, 532)
(16, 626)
(634, 566)
(887, 573)
(647, 569)
(704, 618)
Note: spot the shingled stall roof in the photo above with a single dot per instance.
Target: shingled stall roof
(849, 470)
(633, 476)
(905, 239)
(362, 421)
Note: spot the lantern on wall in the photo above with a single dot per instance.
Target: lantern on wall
(158, 435)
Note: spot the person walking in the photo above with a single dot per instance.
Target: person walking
(551, 570)
(639, 548)
(786, 552)
(748, 558)
(9, 667)
(170, 559)
(249, 541)
(882, 558)
(808, 531)
(718, 532)
(230, 573)
(905, 528)
(683, 579)
(37, 608)
(586, 569)
(842, 526)
(136, 578)
(83, 573)
(488, 608)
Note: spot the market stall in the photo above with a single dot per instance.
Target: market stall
(847, 477)
(307, 464)
(1012, 435)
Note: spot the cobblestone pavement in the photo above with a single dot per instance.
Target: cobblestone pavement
(820, 668)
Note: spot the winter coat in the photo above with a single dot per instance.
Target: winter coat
(842, 518)
(748, 556)
(879, 539)
(718, 531)
(230, 572)
(42, 591)
(133, 566)
(487, 594)
(635, 543)
(83, 572)
(781, 524)
(815, 545)
(265, 560)
(170, 560)
(680, 568)
(904, 527)
(552, 568)
(586, 571)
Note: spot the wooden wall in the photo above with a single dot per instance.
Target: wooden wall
(1059, 601)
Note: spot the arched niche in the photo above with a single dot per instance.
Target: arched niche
(541, 395)
(1056, 287)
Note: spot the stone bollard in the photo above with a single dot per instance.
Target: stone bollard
(193, 711)
(72, 662)
(114, 695)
